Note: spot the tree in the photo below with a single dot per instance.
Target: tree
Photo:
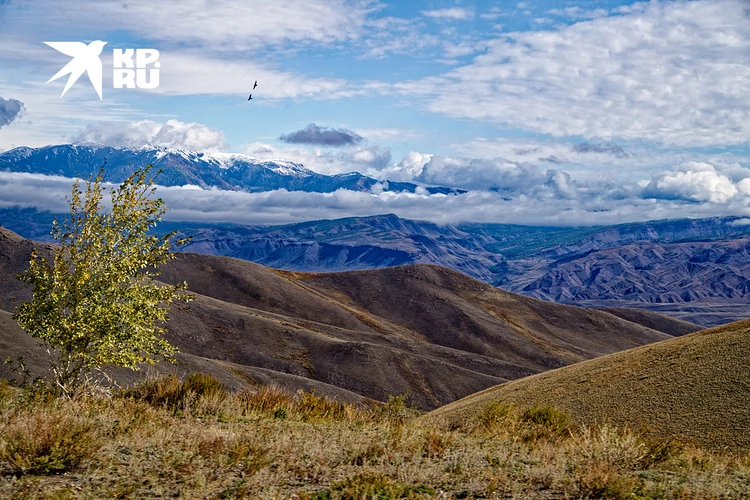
(96, 304)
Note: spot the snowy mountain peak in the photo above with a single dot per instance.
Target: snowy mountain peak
(229, 171)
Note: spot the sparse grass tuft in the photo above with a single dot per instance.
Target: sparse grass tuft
(375, 486)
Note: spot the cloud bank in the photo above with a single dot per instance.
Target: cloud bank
(513, 193)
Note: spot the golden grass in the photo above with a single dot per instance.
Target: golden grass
(695, 388)
(191, 439)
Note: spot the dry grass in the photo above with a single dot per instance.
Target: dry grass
(192, 439)
(693, 387)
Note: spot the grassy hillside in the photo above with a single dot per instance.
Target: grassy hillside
(191, 439)
(696, 388)
(431, 332)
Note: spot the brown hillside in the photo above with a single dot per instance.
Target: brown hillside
(695, 387)
(655, 321)
(434, 333)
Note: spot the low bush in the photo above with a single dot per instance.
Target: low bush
(545, 422)
(175, 394)
(49, 441)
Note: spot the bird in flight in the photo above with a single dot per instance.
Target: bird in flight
(250, 98)
(256, 84)
(85, 59)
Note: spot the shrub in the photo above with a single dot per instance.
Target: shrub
(177, 395)
(495, 414)
(396, 410)
(266, 400)
(545, 422)
(47, 442)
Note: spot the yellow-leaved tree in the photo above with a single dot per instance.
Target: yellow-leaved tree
(96, 304)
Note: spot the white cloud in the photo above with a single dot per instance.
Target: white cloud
(526, 197)
(173, 134)
(190, 73)
(576, 12)
(675, 72)
(227, 24)
(451, 13)
(50, 120)
(366, 159)
(408, 168)
(694, 181)
(389, 134)
(493, 13)
(480, 174)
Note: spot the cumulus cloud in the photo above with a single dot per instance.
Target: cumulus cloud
(370, 158)
(451, 13)
(408, 169)
(173, 134)
(10, 110)
(671, 72)
(471, 173)
(321, 136)
(696, 181)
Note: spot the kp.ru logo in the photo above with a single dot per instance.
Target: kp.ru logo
(130, 66)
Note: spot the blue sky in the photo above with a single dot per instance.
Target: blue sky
(610, 105)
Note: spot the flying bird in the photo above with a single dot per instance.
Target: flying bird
(85, 59)
(250, 98)
(256, 84)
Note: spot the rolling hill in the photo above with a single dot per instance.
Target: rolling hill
(432, 332)
(694, 388)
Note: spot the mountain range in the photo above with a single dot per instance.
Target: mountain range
(227, 171)
(696, 270)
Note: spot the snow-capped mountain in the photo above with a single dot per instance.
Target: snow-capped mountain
(179, 167)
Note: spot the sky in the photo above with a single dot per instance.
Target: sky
(557, 112)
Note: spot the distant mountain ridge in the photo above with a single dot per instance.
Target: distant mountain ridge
(228, 171)
(695, 270)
